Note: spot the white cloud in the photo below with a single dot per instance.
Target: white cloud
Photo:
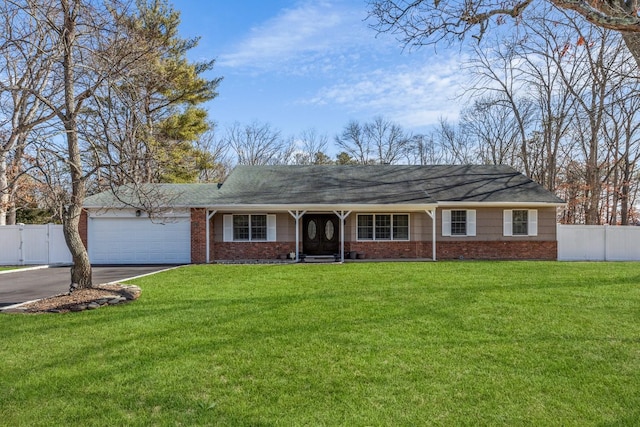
(413, 96)
(311, 35)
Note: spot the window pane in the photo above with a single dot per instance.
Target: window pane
(258, 227)
(383, 227)
(312, 229)
(329, 230)
(401, 227)
(365, 227)
(241, 227)
(458, 223)
(520, 220)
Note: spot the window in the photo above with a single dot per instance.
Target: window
(249, 228)
(383, 227)
(401, 227)
(365, 227)
(258, 227)
(459, 222)
(241, 227)
(520, 222)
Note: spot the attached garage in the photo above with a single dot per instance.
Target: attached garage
(127, 236)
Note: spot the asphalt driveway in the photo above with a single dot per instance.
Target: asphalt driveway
(20, 286)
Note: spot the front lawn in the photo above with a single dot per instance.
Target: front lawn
(446, 343)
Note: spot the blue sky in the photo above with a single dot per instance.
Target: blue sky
(303, 64)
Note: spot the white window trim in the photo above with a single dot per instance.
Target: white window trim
(227, 223)
(392, 239)
(532, 223)
(471, 223)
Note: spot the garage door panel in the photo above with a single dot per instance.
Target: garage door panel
(139, 241)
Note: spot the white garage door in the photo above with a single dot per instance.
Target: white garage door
(139, 241)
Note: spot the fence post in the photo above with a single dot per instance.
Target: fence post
(49, 243)
(21, 247)
(606, 242)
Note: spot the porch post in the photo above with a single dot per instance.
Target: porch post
(297, 215)
(432, 214)
(342, 217)
(209, 214)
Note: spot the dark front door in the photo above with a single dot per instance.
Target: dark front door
(321, 234)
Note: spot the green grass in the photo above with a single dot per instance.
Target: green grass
(447, 343)
(10, 267)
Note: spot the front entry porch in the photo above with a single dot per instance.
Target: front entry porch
(320, 234)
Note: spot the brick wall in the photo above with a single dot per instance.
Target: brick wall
(507, 250)
(83, 228)
(198, 235)
(390, 250)
(252, 250)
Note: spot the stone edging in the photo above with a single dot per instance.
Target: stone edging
(124, 294)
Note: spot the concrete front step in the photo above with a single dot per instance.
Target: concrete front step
(317, 259)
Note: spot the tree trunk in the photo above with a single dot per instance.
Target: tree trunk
(11, 215)
(81, 270)
(632, 40)
(4, 189)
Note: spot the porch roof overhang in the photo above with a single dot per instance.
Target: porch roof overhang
(313, 207)
(503, 205)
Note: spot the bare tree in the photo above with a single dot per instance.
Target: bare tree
(541, 55)
(354, 142)
(23, 47)
(378, 141)
(215, 164)
(424, 150)
(311, 148)
(259, 144)
(623, 138)
(422, 22)
(91, 46)
(551, 98)
(593, 95)
(498, 78)
(388, 140)
(455, 145)
(496, 130)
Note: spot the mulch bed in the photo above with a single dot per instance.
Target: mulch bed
(81, 299)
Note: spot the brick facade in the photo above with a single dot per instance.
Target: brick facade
(198, 235)
(252, 250)
(498, 250)
(83, 228)
(511, 249)
(390, 250)
(503, 250)
(493, 250)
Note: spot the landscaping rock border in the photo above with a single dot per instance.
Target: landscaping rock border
(81, 300)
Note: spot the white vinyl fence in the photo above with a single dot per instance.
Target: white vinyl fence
(598, 243)
(33, 244)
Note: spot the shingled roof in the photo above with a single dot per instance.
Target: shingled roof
(380, 184)
(398, 185)
(156, 195)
